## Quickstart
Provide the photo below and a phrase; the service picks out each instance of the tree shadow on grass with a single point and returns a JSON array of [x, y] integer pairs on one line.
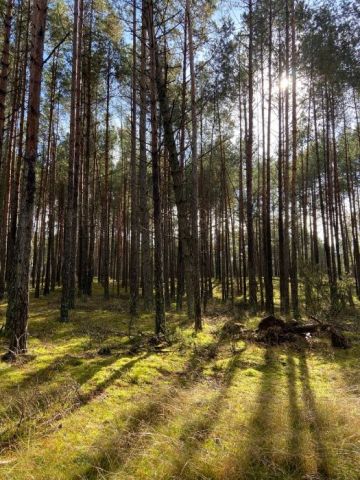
[[263, 459], [315, 421], [199, 428], [116, 375], [112, 452], [42, 398], [257, 460], [294, 464], [80, 370]]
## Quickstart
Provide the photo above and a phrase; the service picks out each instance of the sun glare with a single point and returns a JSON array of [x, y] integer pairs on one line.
[[284, 83]]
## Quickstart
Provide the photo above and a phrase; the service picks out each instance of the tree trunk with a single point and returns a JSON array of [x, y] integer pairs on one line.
[[294, 230], [4, 74], [66, 296], [158, 258], [249, 171], [146, 266], [133, 181], [18, 301], [194, 184]]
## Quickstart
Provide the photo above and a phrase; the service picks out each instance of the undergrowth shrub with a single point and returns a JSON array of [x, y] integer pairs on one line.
[[320, 300]]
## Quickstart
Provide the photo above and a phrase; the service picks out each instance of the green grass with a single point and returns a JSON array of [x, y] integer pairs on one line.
[[201, 407]]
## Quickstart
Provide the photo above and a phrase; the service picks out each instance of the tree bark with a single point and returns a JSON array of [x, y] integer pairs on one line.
[[133, 181], [249, 170], [195, 182], [18, 301]]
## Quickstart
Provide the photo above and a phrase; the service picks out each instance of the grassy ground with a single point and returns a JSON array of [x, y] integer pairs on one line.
[[204, 407]]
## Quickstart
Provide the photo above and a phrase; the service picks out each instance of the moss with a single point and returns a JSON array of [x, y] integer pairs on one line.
[[198, 407]]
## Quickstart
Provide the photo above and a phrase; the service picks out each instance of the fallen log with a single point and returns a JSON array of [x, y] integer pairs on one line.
[[302, 329], [273, 330], [287, 327], [338, 339], [269, 322], [275, 335]]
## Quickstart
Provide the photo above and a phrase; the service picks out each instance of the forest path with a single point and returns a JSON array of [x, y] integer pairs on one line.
[[203, 407]]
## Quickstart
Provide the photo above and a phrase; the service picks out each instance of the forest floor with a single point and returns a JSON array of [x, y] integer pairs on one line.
[[202, 407]]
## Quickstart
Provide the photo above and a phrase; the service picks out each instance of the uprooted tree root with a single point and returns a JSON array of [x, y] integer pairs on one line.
[[274, 331]]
